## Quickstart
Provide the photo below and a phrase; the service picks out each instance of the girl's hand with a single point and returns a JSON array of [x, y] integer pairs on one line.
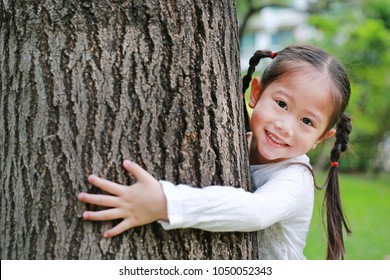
[[138, 204]]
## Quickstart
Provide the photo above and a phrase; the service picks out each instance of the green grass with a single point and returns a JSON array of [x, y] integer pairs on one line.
[[366, 201]]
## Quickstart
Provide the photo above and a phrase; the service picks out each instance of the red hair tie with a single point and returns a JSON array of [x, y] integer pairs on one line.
[[272, 55], [334, 163]]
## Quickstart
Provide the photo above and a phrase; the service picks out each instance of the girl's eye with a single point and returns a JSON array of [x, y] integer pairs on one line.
[[282, 104], [307, 121]]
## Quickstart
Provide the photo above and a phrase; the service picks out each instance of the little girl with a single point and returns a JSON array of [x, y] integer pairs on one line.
[[298, 102]]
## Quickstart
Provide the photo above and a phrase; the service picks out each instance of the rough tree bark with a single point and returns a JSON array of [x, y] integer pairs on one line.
[[87, 84]]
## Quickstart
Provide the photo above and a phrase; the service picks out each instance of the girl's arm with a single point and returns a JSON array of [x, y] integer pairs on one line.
[[138, 204], [227, 209], [213, 208]]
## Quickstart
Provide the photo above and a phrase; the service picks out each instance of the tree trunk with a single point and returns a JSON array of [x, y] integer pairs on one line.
[[87, 84]]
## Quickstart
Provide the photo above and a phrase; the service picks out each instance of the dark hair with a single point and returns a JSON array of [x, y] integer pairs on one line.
[[289, 60]]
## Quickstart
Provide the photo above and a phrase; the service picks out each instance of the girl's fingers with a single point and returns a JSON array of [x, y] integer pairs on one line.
[[120, 194], [100, 200], [118, 229], [137, 171], [103, 215], [105, 185]]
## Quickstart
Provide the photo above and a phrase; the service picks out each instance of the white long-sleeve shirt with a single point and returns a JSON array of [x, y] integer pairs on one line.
[[280, 208]]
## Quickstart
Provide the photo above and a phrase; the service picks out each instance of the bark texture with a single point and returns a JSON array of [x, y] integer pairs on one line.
[[87, 84]]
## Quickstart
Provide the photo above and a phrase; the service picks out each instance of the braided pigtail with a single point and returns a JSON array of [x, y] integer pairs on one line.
[[334, 213], [253, 62]]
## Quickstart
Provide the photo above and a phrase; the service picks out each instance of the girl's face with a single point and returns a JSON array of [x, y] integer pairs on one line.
[[289, 116]]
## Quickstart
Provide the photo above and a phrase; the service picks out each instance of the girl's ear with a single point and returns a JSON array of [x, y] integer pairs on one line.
[[255, 92], [330, 133], [327, 135]]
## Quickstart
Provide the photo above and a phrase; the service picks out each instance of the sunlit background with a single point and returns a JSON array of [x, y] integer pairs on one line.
[[357, 33]]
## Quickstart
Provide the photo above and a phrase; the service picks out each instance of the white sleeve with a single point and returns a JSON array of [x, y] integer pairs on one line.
[[221, 208]]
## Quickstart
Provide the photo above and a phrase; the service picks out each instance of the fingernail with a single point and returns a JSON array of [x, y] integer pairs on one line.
[[90, 177], [126, 162]]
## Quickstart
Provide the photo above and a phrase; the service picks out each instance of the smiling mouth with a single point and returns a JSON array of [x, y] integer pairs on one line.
[[276, 140]]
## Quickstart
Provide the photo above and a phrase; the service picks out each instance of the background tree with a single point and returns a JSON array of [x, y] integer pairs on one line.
[[249, 8], [87, 84]]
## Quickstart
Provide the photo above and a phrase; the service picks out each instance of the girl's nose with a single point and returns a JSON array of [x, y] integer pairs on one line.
[[284, 127]]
